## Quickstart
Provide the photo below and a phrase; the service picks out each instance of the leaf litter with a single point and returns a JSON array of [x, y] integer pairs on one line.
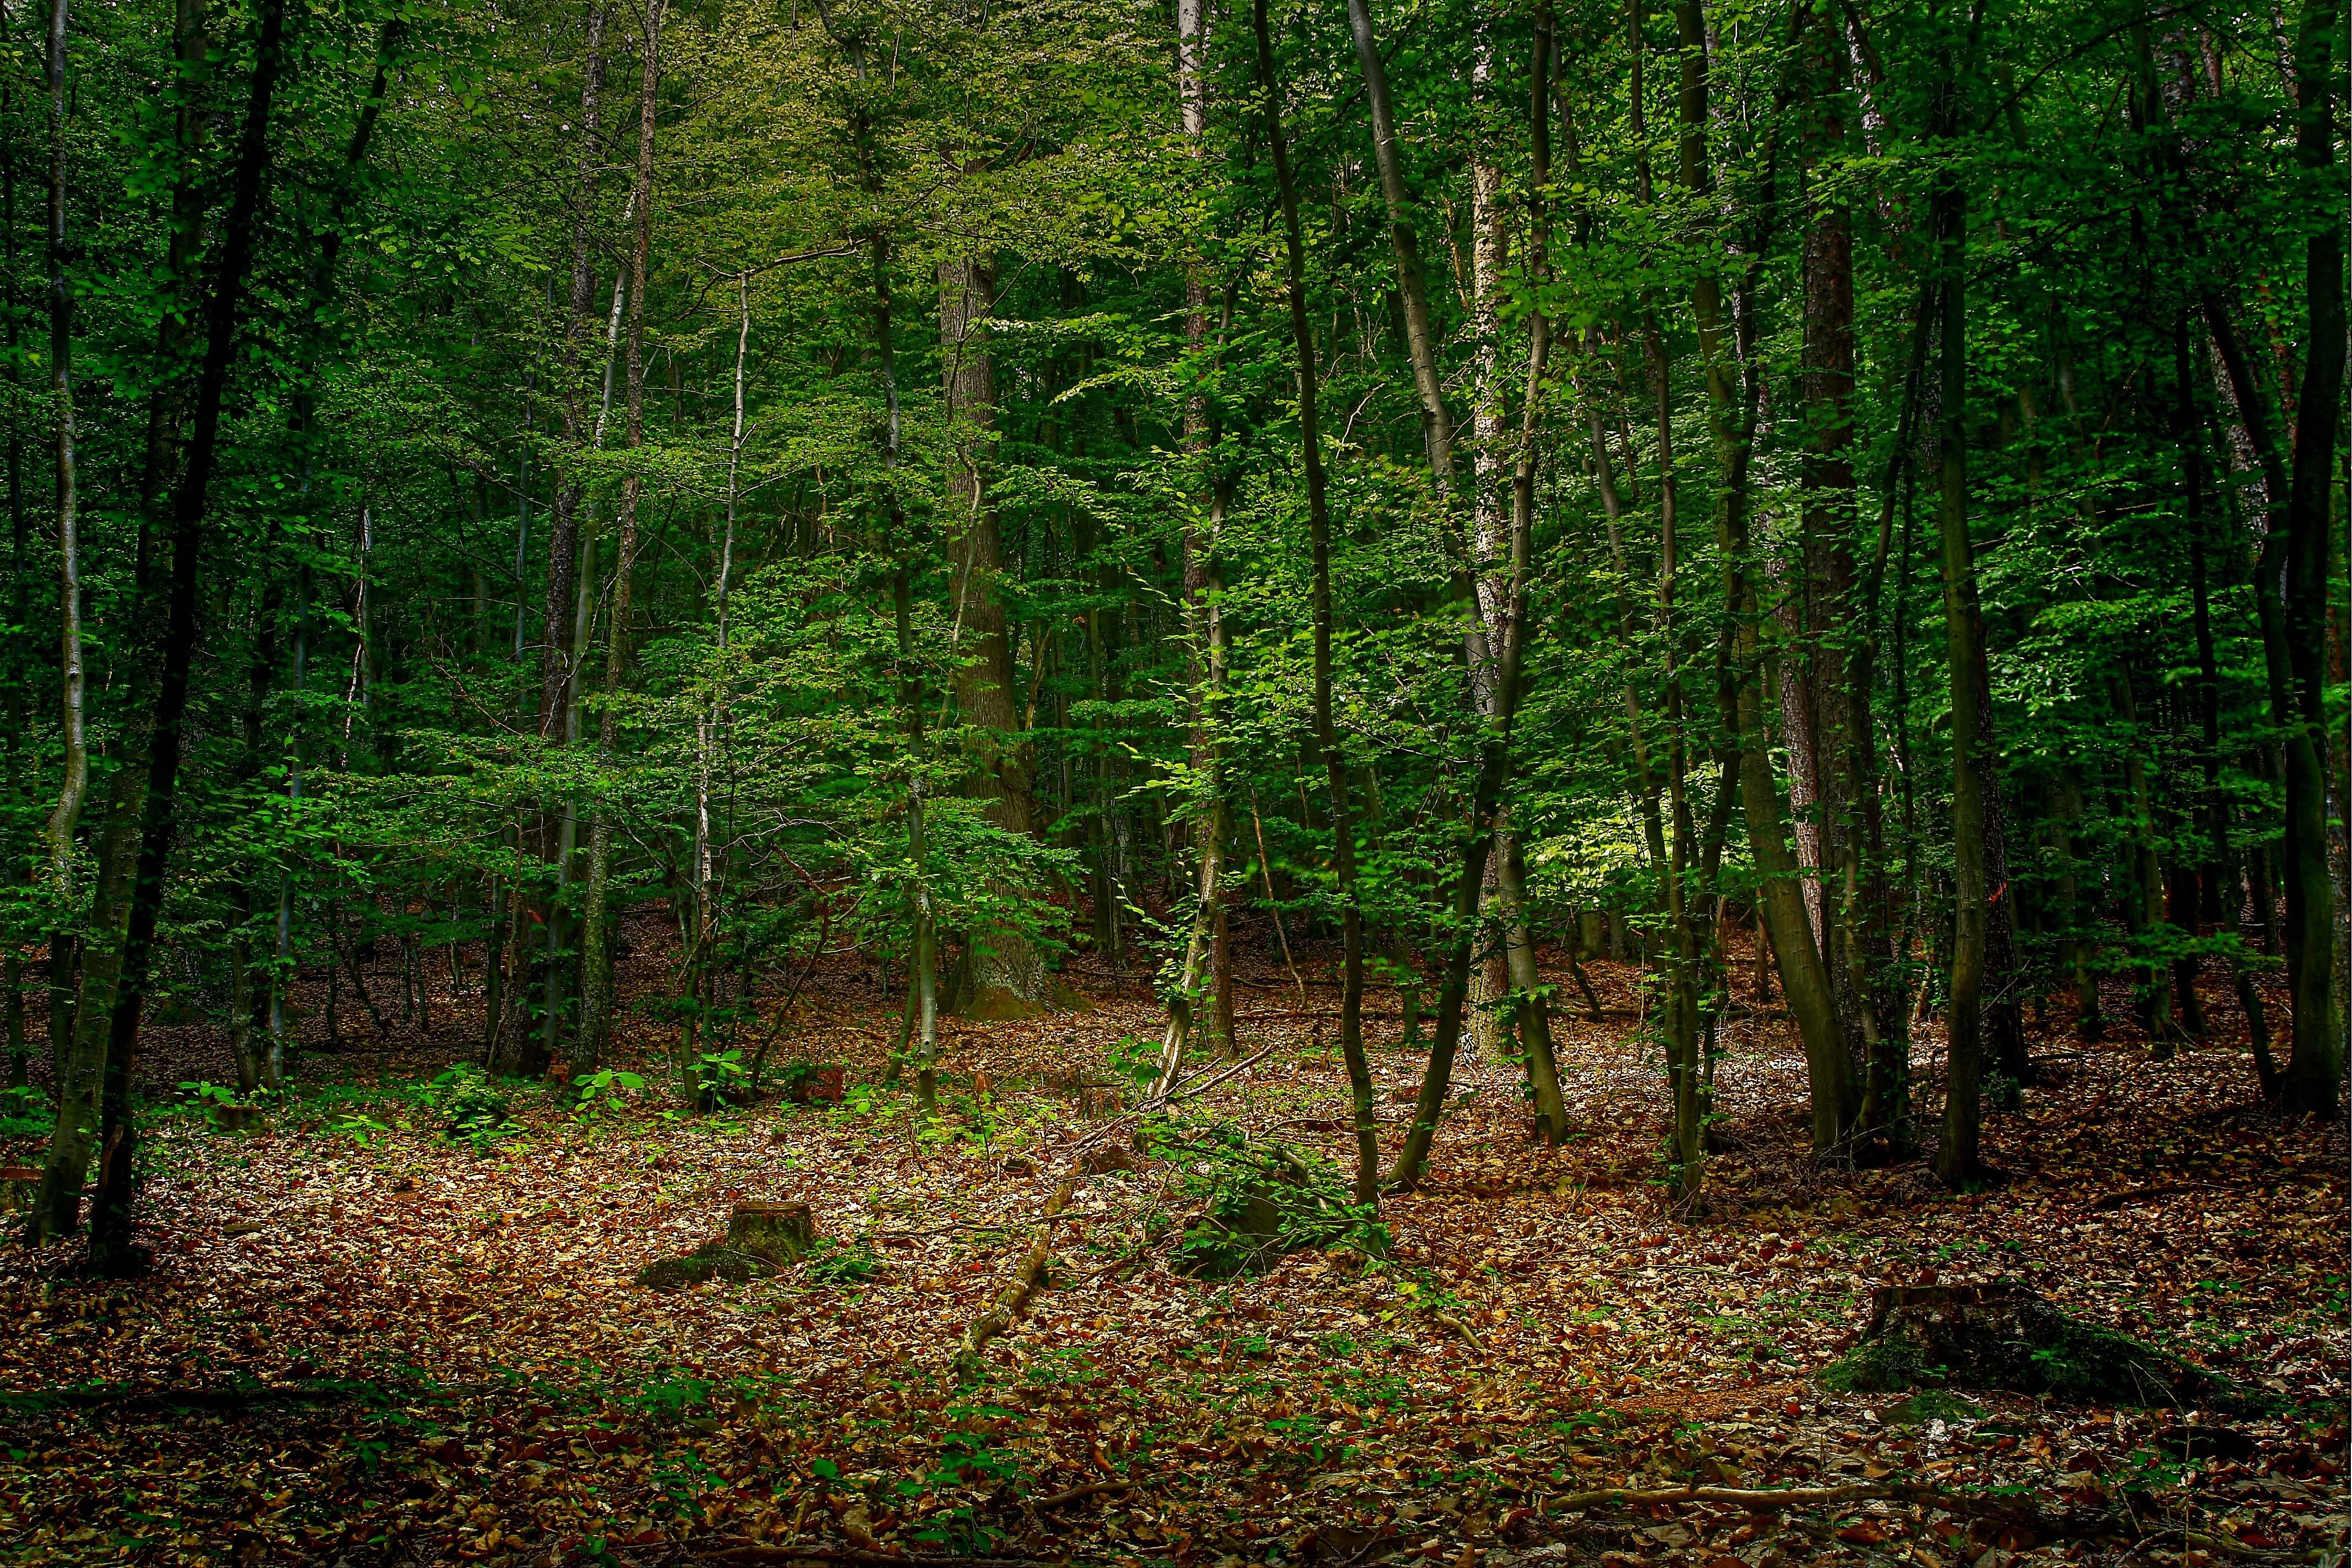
[[368, 1341]]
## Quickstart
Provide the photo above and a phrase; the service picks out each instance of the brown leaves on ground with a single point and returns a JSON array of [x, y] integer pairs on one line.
[[408, 1352]]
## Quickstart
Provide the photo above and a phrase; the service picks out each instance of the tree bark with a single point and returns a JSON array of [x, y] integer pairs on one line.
[[1310, 437], [124, 968], [2314, 1079], [1206, 958], [1732, 422], [1957, 1160], [1001, 974], [75, 787], [596, 934]]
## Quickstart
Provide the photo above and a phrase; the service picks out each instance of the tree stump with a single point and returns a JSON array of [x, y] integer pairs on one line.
[[1098, 1101], [18, 1183], [812, 1085], [233, 1117], [2008, 1335], [778, 1233]]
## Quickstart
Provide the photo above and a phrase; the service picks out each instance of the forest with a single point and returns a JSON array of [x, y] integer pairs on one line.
[[1486, 782]]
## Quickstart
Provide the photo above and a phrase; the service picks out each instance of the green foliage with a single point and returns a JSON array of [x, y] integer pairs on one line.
[[605, 1090], [26, 1112], [471, 1111], [1258, 1202], [833, 1264]]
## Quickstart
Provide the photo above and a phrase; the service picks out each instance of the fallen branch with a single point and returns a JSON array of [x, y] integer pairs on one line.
[[1460, 1328], [1086, 1489], [230, 1396], [1006, 1308], [1182, 1091], [748, 1553], [1759, 1500]]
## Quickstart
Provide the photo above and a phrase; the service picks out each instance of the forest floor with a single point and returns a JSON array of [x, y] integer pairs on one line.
[[365, 1341]]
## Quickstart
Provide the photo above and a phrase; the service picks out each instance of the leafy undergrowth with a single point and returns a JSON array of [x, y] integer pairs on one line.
[[376, 1335]]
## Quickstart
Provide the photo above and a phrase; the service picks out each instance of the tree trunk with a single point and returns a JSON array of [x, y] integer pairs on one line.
[[596, 935], [122, 972], [1956, 1156], [1839, 745], [1310, 438], [75, 785], [1732, 421], [1206, 975], [2313, 1080], [1001, 974]]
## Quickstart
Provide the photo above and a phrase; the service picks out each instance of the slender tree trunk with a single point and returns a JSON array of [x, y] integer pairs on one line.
[[1205, 957], [1310, 437], [20, 663], [2142, 889], [2313, 1080], [1956, 1157], [596, 935], [115, 1020], [1420, 333], [1532, 1004], [75, 785], [1732, 417], [1491, 464], [561, 663], [1839, 739]]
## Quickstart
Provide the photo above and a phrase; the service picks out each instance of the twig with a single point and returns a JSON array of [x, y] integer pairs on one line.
[[1086, 1489], [1765, 1499], [1460, 1327], [753, 1553]]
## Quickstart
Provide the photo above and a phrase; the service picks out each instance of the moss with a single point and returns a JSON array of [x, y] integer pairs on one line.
[[1881, 1366], [712, 1260], [1931, 1404]]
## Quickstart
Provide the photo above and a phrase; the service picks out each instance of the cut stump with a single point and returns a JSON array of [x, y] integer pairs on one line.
[[761, 1237], [2008, 1335], [19, 1186], [813, 1085], [778, 1232]]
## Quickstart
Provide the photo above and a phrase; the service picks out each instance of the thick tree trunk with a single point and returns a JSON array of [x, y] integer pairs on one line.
[[1001, 974]]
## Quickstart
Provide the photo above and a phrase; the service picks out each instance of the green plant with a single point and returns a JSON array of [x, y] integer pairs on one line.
[[212, 1093], [359, 1127], [604, 1089], [720, 1077], [476, 1113], [26, 1112], [833, 1264], [968, 1463]]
